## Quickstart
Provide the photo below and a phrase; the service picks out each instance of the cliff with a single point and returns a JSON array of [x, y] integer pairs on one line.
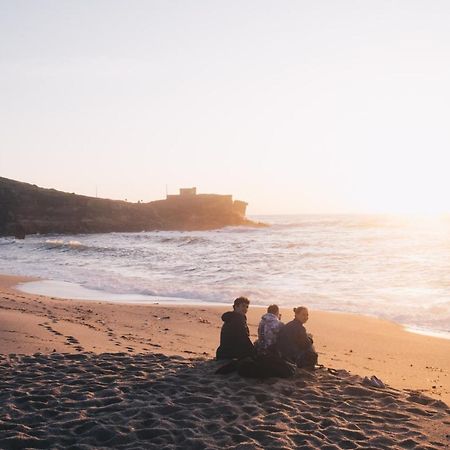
[[29, 209]]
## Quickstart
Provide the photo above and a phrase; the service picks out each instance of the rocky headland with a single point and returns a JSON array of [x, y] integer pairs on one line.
[[29, 209]]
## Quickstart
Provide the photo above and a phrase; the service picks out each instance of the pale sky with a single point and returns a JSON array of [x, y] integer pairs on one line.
[[293, 106]]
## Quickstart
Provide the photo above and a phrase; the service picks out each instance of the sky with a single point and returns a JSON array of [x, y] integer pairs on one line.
[[292, 106]]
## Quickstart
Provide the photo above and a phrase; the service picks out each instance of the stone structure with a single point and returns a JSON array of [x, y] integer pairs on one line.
[[29, 209], [188, 191], [190, 196]]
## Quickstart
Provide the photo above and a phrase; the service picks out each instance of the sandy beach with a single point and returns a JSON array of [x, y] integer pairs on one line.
[[84, 374]]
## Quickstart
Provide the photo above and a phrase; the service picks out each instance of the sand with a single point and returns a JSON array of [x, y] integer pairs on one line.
[[81, 374]]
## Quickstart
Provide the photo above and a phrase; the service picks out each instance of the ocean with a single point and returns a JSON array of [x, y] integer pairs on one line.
[[392, 267]]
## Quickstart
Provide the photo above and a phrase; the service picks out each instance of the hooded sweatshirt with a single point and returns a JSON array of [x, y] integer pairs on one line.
[[234, 337], [268, 330], [293, 340]]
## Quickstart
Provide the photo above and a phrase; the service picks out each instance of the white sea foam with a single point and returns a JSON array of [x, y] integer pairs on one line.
[[66, 290], [54, 243], [386, 267], [60, 243]]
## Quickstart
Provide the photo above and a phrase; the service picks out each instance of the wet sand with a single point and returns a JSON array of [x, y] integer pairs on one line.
[[89, 374]]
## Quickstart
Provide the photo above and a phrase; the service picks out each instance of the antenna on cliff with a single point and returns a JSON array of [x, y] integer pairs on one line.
[[96, 191], [167, 191]]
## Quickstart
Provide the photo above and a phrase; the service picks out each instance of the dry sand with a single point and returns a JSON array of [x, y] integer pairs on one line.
[[79, 374]]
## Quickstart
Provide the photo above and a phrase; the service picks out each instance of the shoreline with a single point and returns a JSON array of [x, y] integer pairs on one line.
[[359, 344], [74, 291]]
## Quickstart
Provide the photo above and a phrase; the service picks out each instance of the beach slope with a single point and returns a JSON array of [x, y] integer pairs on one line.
[[103, 374]]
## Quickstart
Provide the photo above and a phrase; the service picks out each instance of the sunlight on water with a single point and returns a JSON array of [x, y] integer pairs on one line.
[[395, 267]]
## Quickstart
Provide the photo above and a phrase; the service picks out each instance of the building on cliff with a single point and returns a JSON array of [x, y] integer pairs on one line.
[[29, 209], [187, 195], [188, 191]]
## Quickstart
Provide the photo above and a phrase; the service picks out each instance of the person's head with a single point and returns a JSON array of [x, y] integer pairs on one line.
[[273, 309], [301, 314], [240, 305]]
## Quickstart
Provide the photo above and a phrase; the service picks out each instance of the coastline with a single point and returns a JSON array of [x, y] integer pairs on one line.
[[90, 374], [359, 344], [73, 291]]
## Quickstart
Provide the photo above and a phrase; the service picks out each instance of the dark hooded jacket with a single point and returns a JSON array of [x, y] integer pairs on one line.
[[293, 340], [234, 337]]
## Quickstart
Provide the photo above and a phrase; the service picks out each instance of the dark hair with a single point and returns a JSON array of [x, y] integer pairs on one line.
[[273, 309], [300, 308], [241, 301]]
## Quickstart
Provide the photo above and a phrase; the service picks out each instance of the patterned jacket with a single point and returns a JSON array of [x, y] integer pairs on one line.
[[268, 330]]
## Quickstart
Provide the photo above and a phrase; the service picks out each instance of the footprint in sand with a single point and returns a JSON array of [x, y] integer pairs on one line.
[[50, 329]]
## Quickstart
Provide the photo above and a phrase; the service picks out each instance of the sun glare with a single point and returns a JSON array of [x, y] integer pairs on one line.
[[398, 183]]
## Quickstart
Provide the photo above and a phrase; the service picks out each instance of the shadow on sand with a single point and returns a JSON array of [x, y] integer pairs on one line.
[[117, 400]]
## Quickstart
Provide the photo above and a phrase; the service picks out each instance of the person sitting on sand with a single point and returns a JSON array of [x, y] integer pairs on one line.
[[294, 344], [268, 330], [235, 336]]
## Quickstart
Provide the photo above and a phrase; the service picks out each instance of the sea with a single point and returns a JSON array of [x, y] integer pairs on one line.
[[391, 267]]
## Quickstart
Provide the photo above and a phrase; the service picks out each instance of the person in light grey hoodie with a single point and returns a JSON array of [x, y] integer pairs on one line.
[[268, 330]]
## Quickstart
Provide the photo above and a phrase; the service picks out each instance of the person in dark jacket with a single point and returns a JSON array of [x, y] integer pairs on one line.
[[294, 344], [235, 336]]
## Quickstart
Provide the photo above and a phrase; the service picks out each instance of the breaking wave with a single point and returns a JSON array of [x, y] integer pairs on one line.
[[50, 244], [372, 265]]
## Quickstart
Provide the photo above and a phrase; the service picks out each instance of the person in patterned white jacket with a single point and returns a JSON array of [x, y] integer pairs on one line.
[[268, 330]]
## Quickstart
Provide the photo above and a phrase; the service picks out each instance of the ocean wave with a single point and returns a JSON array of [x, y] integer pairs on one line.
[[7, 241], [193, 241], [77, 246], [240, 229], [352, 222], [61, 244], [307, 224], [184, 240], [311, 260]]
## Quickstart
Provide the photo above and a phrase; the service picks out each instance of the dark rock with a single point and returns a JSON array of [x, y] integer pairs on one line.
[[29, 209]]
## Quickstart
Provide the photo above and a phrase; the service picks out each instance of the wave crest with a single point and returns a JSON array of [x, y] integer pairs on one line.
[[59, 243]]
